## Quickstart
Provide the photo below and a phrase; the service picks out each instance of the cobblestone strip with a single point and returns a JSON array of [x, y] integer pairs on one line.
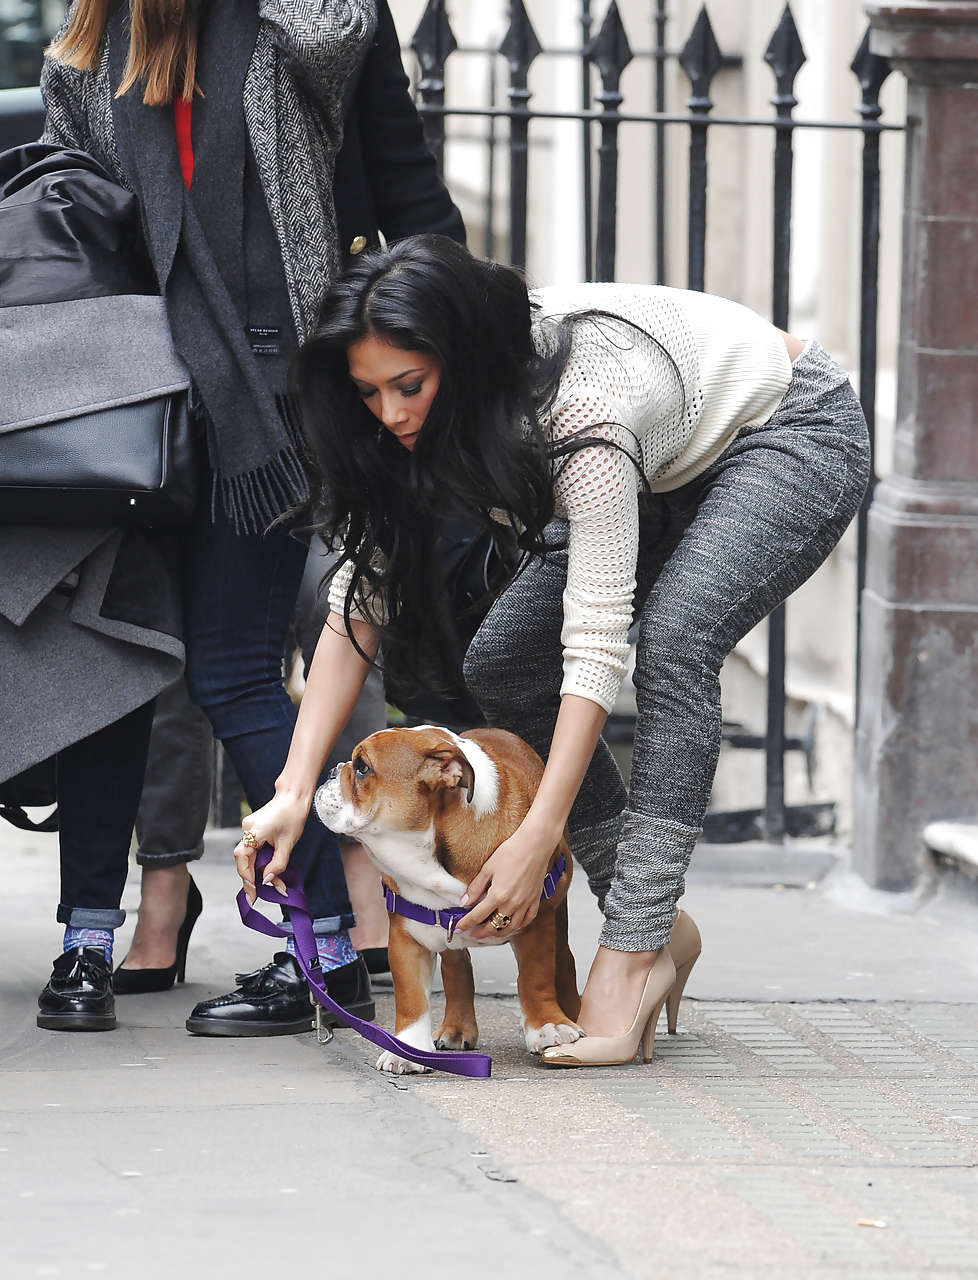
[[953, 1102], [690, 1054], [777, 1048], [952, 1028], [862, 1039], [886, 1119], [678, 1121], [779, 1121]]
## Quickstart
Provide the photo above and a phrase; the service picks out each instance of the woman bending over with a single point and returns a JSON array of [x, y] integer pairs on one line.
[[665, 456]]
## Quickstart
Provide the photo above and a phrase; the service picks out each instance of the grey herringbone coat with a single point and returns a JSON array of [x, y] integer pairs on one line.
[[299, 85]]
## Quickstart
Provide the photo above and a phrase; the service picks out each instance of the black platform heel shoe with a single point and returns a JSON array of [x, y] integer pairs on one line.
[[131, 982]]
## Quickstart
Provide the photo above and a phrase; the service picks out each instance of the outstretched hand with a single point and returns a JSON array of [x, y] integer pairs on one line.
[[278, 824], [512, 881]]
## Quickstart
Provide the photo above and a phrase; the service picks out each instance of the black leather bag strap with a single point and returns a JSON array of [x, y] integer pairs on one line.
[[16, 815], [35, 786]]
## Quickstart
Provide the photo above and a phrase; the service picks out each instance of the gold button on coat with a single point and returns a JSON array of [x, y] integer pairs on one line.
[[358, 244]]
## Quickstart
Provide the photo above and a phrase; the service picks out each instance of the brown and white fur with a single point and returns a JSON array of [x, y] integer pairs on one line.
[[430, 806]]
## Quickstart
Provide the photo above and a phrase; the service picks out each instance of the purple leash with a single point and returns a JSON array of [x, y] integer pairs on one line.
[[458, 1063]]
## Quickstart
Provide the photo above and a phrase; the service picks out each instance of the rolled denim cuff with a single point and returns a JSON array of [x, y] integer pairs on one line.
[[90, 917], [146, 858], [649, 879], [324, 925]]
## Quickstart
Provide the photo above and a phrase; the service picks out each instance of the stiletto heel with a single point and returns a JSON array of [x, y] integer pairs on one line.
[[128, 982], [685, 945], [648, 1036], [676, 994]]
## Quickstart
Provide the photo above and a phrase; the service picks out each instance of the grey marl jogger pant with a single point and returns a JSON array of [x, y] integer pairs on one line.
[[715, 557]]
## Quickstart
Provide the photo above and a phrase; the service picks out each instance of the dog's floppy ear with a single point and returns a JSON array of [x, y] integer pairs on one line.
[[447, 767]]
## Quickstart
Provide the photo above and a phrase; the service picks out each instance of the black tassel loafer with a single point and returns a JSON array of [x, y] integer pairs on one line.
[[79, 995], [274, 1001]]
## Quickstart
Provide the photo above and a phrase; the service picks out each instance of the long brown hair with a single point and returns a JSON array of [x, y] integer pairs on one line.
[[162, 46]]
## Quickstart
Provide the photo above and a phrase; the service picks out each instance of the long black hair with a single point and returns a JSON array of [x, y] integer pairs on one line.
[[480, 456]]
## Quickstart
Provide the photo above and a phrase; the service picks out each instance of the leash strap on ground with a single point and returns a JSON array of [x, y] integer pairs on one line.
[[459, 1064]]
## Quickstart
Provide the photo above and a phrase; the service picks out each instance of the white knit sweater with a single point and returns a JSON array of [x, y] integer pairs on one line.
[[720, 370]]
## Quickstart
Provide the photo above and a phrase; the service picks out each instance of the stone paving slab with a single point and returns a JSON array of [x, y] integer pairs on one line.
[[740, 1157]]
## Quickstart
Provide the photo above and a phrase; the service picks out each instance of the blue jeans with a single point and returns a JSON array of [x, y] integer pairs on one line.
[[240, 595]]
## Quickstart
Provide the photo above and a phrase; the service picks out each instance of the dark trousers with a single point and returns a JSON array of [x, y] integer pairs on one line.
[[240, 596], [99, 781]]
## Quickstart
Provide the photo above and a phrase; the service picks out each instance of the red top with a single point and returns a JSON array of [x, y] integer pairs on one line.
[[185, 147]]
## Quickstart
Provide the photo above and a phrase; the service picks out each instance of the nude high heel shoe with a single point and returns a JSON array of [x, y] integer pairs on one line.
[[613, 1051], [685, 945]]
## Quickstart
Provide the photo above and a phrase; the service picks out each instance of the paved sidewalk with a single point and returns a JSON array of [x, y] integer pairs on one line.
[[761, 1137]]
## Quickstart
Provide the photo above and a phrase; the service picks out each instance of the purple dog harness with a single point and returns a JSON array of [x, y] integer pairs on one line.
[[449, 917], [457, 1062]]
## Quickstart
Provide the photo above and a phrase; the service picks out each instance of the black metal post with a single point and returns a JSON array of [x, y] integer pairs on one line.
[[587, 167], [520, 47], [871, 71], [490, 242], [700, 59], [785, 56], [434, 42], [611, 53], [659, 131]]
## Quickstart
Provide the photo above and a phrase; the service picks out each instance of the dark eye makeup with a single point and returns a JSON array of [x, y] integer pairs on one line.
[[411, 390]]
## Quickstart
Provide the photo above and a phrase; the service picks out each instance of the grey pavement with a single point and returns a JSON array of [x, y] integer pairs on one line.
[[817, 1115]]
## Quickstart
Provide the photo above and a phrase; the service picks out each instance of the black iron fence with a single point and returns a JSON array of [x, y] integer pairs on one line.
[[603, 56]]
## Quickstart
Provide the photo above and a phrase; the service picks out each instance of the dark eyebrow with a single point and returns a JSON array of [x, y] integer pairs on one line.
[[397, 377]]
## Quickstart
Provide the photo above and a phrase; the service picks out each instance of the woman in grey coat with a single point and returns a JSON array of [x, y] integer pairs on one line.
[[251, 148]]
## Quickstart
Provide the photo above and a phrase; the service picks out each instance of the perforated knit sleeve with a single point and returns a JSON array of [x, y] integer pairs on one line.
[[597, 489], [372, 609]]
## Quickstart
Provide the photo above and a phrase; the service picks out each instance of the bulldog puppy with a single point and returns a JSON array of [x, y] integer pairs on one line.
[[430, 806]]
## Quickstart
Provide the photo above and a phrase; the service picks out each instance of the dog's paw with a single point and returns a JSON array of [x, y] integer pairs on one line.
[[456, 1037], [540, 1038], [399, 1066]]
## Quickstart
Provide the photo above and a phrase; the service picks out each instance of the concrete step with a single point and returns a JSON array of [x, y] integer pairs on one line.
[[954, 845]]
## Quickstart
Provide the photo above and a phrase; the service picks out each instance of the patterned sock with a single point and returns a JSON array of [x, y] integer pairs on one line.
[[334, 949], [89, 938]]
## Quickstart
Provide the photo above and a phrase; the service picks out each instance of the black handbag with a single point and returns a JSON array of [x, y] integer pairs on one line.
[[95, 427], [129, 465]]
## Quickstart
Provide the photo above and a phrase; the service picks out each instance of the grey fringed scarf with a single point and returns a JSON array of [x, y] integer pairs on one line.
[[215, 249]]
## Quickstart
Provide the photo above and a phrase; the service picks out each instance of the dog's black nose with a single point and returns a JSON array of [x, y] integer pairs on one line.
[[335, 773]]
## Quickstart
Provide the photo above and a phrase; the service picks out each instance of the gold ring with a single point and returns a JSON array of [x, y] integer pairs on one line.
[[250, 839], [499, 921]]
